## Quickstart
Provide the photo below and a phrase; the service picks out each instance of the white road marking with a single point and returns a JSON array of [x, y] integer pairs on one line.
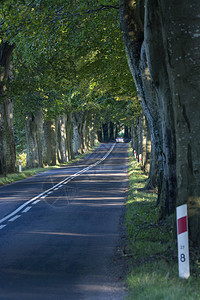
[[35, 202], [49, 191], [2, 226], [14, 218], [17, 210], [27, 209]]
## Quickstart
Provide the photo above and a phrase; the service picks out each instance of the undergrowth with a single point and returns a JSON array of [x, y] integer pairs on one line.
[[152, 250]]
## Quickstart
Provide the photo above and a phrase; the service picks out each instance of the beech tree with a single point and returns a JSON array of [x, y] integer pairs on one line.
[[7, 143], [162, 41], [87, 54]]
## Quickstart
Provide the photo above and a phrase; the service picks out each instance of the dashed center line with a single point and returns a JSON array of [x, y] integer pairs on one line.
[[35, 202], [2, 226], [27, 209], [14, 218], [43, 195]]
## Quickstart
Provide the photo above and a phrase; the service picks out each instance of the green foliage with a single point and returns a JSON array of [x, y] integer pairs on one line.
[[145, 231], [65, 45], [153, 282], [152, 249], [69, 56]]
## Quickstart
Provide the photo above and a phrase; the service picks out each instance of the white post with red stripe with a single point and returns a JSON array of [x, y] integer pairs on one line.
[[20, 166], [183, 245], [140, 158], [134, 153]]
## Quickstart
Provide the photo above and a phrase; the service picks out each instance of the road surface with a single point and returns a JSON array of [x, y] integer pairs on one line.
[[60, 230]]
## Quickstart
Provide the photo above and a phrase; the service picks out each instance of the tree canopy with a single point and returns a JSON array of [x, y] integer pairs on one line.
[[62, 48]]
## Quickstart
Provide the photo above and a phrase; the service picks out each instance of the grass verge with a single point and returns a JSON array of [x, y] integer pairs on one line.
[[152, 250], [30, 172]]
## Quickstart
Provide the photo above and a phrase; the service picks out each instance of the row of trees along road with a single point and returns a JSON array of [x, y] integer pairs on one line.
[[64, 67], [60, 79]]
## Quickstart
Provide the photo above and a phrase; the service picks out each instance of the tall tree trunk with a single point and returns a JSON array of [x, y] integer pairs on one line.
[[134, 137], [164, 56], [69, 137], [117, 129], [148, 150], [34, 133], [126, 132], [49, 143], [144, 141], [157, 56], [7, 142], [140, 135], [78, 138], [85, 134], [152, 181], [62, 152], [132, 25], [105, 132], [181, 39], [92, 132], [111, 131], [99, 135]]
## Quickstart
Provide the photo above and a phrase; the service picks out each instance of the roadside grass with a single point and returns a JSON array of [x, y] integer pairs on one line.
[[152, 250], [30, 172]]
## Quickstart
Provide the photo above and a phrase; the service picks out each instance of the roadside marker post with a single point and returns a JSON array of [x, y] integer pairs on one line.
[[183, 244], [134, 153], [20, 166], [140, 158]]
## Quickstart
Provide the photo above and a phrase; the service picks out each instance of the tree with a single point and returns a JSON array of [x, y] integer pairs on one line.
[[163, 58], [87, 60], [7, 144]]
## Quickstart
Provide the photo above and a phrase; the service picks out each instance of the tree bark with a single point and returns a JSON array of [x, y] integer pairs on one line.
[[164, 60], [132, 26], [157, 56], [140, 135], [134, 137], [49, 143], [105, 132], [78, 138], [152, 181], [181, 39], [61, 136], [111, 135], [117, 129], [144, 141], [69, 137], [34, 134], [7, 141], [99, 135], [148, 149], [152, 101], [92, 132], [126, 132]]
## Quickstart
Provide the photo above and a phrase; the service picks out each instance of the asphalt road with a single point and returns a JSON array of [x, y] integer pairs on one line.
[[60, 231]]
